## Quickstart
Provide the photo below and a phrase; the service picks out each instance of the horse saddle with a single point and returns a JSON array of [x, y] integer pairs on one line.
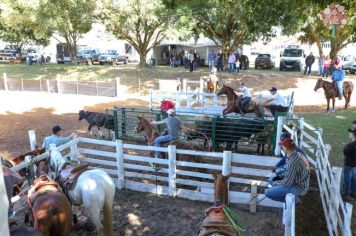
[[40, 186], [216, 223], [173, 142], [70, 173]]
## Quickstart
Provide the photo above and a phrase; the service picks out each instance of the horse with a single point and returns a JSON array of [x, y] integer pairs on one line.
[[93, 189], [216, 221], [97, 119], [331, 92], [50, 210], [233, 103]]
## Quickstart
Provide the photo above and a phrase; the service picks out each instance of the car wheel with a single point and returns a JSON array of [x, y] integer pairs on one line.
[[352, 72], [125, 62], [280, 68], [256, 67]]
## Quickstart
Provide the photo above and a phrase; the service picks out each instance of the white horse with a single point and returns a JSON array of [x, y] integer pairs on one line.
[[94, 190]]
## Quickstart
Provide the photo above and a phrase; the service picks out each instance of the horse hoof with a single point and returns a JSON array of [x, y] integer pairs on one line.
[[327, 111], [333, 110]]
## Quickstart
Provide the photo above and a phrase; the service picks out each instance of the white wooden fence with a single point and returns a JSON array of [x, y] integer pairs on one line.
[[337, 213], [4, 226]]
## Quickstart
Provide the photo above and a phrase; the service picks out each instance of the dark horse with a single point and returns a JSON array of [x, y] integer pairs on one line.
[[331, 92], [233, 101], [97, 119]]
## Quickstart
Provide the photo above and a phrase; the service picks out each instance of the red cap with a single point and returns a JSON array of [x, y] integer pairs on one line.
[[287, 142]]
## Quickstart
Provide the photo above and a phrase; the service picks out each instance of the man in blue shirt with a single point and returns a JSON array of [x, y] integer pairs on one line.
[[55, 138], [338, 77], [211, 59]]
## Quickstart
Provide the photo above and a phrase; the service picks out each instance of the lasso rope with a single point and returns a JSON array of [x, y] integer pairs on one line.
[[238, 225]]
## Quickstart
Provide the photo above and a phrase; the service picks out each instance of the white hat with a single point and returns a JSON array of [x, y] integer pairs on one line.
[[170, 112], [213, 71]]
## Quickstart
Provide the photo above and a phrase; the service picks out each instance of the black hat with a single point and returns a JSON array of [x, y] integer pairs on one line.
[[273, 89], [56, 129], [353, 131], [284, 136]]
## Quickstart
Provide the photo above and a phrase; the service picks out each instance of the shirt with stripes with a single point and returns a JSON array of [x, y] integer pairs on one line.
[[297, 173]]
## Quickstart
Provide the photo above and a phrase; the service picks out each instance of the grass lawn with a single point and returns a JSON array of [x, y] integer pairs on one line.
[[335, 132]]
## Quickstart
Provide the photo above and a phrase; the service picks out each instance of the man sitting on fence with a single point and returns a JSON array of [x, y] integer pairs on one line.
[[174, 126], [56, 138], [350, 167], [295, 179], [281, 166], [276, 103]]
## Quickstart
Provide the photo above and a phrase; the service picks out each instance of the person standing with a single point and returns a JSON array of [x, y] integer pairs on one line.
[[220, 58], [211, 59], [231, 62], [295, 179], [276, 103], [321, 64], [309, 61], [191, 62], [338, 78], [196, 59], [326, 70], [56, 138], [246, 97], [349, 187], [237, 65]]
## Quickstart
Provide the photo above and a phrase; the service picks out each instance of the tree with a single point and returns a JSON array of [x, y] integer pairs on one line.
[[69, 19], [18, 24], [143, 24], [231, 24]]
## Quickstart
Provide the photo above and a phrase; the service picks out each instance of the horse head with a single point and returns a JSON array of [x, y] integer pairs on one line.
[[224, 90], [82, 114], [140, 126], [221, 188], [318, 84]]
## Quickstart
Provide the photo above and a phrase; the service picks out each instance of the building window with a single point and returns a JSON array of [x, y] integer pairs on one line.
[[128, 49]]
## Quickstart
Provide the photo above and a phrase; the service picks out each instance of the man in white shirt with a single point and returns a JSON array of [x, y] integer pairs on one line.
[[246, 97], [276, 103]]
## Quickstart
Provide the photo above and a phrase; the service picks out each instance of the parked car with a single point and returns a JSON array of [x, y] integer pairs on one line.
[[121, 59], [244, 62], [347, 61], [265, 60], [90, 56], [293, 57], [63, 54], [108, 56], [353, 68], [37, 55]]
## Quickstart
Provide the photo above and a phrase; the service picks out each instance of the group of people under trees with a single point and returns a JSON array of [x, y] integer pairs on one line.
[[189, 60]]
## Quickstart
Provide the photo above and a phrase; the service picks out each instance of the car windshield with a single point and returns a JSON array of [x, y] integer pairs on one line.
[[293, 53], [86, 51], [111, 52], [264, 56]]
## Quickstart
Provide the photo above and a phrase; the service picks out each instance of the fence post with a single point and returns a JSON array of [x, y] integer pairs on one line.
[[289, 215], [347, 220], [32, 137], [120, 164], [77, 88], [172, 170], [226, 169], [253, 196], [4, 226], [116, 128], [74, 150], [184, 85], [41, 85], [5, 81], [47, 85], [117, 86], [151, 100], [58, 83], [277, 149], [213, 133], [21, 84], [301, 126], [201, 89], [123, 121], [96, 88]]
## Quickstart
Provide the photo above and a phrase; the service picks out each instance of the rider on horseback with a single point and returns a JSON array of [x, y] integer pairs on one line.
[[246, 97], [174, 126], [338, 77]]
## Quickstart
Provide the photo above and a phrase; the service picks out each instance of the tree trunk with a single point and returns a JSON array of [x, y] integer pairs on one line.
[[320, 48], [73, 53], [142, 63]]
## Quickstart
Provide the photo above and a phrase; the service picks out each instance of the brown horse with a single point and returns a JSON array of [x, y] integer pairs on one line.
[[11, 162], [331, 92], [221, 191], [233, 103], [51, 212]]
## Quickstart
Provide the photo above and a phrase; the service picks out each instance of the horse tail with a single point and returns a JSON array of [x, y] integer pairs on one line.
[[109, 198]]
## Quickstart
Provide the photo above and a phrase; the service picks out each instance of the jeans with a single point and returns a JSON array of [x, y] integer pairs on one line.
[[349, 180], [326, 72], [231, 67], [162, 139], [211, 64], [279, 192], [243, 103], [278, 108], [339, 86], [220, 66], [320, 71], [307, 67]]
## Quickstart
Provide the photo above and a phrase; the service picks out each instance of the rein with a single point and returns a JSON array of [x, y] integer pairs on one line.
[[238, 225], [28, 203]]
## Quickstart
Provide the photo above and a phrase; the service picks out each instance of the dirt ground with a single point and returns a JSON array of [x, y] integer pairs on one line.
[[138, 213]]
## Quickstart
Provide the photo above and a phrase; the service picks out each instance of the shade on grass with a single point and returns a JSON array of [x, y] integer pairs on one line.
[[335, 132]]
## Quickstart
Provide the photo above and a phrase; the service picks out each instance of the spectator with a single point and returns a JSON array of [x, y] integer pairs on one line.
[[295, 179], [309, 61], [276, 103], [327, 63], [321, 64], [211, 59], [349, 188], [56, 138], [338, 78], [191, 61], [220, 58], [237, 65], [337, 61], [231, 62], [196, 59], [280, 167], [246, 98]]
